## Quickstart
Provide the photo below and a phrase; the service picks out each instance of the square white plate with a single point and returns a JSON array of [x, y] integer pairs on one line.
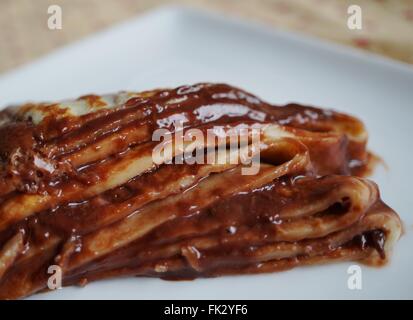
[[174, 46]]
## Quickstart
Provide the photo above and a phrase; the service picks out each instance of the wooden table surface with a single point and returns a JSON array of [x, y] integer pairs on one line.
[[387, 25]]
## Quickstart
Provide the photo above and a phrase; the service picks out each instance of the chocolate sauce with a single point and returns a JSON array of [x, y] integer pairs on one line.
[[48, 171], [53, 140], [371, 239]]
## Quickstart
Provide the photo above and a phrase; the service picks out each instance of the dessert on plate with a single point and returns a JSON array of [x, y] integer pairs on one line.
[[80, 189]]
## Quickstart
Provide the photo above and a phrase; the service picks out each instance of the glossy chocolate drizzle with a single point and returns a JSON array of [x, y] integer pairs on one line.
[[74, 194]]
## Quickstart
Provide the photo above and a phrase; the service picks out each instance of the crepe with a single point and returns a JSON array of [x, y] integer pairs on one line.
[[82, 190]]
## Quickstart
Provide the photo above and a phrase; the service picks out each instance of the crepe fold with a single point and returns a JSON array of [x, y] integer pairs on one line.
[[81, 189]]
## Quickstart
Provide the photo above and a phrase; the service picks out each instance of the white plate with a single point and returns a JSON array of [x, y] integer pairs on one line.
[[174, 46]]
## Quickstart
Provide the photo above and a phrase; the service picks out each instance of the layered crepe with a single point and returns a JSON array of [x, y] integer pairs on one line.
[[80, 189]]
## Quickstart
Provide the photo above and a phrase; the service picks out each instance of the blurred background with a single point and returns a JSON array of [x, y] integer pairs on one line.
[[387, 24]]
